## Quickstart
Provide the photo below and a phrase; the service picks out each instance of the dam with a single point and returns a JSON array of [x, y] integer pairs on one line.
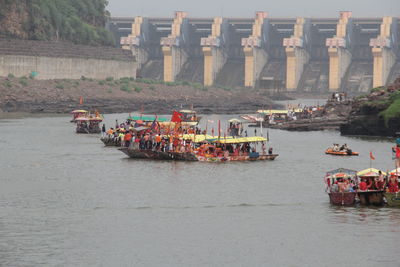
[[346, 53]]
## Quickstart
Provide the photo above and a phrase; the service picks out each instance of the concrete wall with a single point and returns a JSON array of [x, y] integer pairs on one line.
[[65, 68]]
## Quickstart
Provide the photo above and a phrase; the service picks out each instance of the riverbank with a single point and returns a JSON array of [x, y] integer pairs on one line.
[[125, 95]]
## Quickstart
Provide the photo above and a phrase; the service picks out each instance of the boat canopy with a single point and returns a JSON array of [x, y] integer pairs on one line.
[[234, 120], [82, 119], [370, 172], [342, 170], [231, 140], [183, 123], [187, 111], [146, 118], [79, 111], [395, 172], [277, 111]]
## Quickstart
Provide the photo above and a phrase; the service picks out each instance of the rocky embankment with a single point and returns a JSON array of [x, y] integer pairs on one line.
[[375, 114], [123, 95], [331, 117]]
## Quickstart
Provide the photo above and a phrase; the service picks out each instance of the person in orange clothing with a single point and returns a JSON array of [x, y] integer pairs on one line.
[[128, 138]]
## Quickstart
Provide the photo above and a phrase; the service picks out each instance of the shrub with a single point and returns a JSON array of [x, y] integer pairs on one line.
[[8, 84], [138, 89], [124, 80], [109, 79], [152, 87], [60, 86], [109, 90], [90, 80], [10, 75], [83, 78], [393, 111], [125, 88], [102, 82], [23, 81]]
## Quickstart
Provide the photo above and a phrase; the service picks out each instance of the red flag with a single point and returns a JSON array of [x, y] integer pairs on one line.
[[371, 156], [176, 117], [219, 129], [81, 100]]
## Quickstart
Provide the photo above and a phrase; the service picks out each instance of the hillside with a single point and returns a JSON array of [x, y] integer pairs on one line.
[[78, 21], [375, 114]]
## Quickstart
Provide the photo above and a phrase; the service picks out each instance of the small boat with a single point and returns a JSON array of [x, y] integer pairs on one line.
[[189, 115], [109, 141], [338, 194], [341, 153], [89, 125], [78, 113], [392, 199], [370, 196]]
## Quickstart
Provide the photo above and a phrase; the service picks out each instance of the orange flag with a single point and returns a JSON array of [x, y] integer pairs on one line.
[[371, 156], [81, 100]]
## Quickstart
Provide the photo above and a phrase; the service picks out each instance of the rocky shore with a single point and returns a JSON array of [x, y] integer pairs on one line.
[[124, 95], [375, 114]]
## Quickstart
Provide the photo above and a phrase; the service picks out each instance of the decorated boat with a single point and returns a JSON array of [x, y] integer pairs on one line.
[[367, 192], [205, 148], [88, 125], [330, 151], [78, 113], [340, 187], [189, 115]]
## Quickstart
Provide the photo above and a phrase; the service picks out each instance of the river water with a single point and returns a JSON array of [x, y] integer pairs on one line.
[[66, 200]]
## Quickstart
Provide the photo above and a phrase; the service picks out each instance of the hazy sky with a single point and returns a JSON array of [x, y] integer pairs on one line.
[[246, 8]]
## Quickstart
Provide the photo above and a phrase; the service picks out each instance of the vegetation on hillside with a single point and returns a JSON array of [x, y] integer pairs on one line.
[[79, 21]]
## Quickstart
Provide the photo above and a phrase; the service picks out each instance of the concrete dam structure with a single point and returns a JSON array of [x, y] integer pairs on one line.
[[294, 54]]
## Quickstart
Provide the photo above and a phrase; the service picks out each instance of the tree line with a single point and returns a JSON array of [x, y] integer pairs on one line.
[[79, 21]]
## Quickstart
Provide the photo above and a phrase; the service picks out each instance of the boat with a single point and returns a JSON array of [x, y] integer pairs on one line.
[[78, 113], [206, 148], [341, 153], [370, 196], [392, 199], [340, 195], [88, 125], [189, 115]]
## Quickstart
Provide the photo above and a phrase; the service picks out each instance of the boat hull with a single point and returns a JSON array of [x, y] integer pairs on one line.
[[157, 155], [393, 199], [110, 142], [188, 156], [341, 153], [371, 198], [342, 198]]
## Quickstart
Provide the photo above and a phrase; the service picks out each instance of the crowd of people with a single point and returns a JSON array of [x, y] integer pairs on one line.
[[342, 148]]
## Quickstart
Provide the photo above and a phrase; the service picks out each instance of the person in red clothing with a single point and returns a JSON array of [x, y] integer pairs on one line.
[[396, 150], [393, 184], [362, 185]]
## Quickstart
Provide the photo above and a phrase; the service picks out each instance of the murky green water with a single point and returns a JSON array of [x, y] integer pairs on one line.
[[65, 200]]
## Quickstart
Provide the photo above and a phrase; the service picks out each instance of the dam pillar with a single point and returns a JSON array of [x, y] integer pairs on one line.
[[339, 50], [384, 51], [173, 47], [297, 53], [254, 48], [213, 48], [136, 41]]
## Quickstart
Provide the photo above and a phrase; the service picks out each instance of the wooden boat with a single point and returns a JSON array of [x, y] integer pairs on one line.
[[344, 198], [392, 199], [110, 141], [370, 196], [78, 113], [189, 115], [86, 125], [341, 153], [209, 153]]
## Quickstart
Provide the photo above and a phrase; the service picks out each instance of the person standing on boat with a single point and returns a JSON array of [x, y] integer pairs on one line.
[[103, 130], [393, 186], [396, 150]]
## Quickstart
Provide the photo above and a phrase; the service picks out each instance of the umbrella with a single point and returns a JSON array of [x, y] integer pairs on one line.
[[79, 111], [234, 120], [395, 172]]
